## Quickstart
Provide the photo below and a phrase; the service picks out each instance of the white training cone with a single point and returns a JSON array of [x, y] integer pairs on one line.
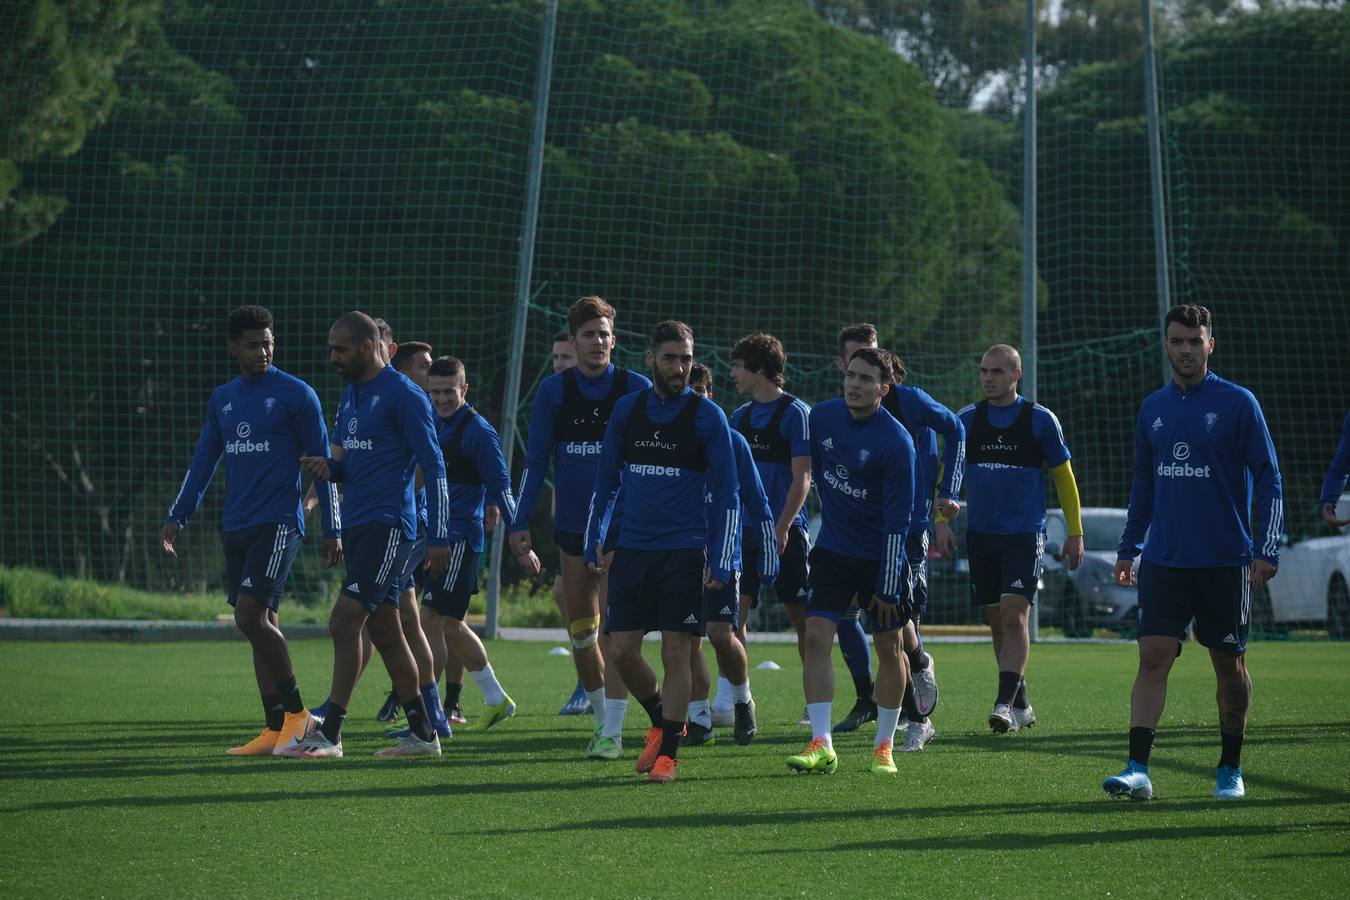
[[769, 665], [559, 651]]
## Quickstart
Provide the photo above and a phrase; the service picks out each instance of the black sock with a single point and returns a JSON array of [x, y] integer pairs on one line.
[[1020, 700], [273, 711], [332, 721], [450, 699], [671, 732], [290, 695], [419, 723], [1231, 754], [863, 685], [653, 707], [918, 661], [908, 706], [1141, 744], [1008, 682]]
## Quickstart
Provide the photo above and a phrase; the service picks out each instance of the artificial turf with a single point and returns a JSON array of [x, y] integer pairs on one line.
[[113, 782]]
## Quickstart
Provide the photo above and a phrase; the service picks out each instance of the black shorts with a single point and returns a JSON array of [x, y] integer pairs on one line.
[[723, 604], [376, 557], [449, 595], [258, 562], [1003, 564], [836, 581], [794, 569], [573, 543], [1219, 598], [655, 589], [916, 551], [413, 574]]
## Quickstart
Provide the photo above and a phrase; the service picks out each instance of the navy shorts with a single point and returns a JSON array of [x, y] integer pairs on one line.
[[1003, 564], [723, 604], [258, 562], [794, 569], [376, 557], [450, 594], [652, 590], [570, 542], [413, 574], [916, 551], [836, 580], [1219, 598]]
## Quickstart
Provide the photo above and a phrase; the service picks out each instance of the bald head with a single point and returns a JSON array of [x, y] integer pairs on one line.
[[1007, 352], [1000, 370]]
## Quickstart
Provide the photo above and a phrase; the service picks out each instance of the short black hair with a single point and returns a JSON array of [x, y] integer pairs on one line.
[[562, 336], [248, 318], [1192, 315], [898, 370], [762, 354], [671, 330], [383, 328], [446, 367], [876, 358], [358, 326], [857, 333], [405, 352], [700, 376]]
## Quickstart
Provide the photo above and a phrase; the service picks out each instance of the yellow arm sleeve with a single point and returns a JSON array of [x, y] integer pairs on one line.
[[1066, 488]]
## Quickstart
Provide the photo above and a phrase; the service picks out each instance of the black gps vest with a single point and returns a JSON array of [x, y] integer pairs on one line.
[[767, 444], [460, 469], [1014, 445], [579, 419], [674, 444]]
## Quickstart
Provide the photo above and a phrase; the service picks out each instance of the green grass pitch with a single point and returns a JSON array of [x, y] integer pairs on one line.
[[114, 784]]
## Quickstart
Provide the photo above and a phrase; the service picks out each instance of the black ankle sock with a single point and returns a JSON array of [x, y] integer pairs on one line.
[[1141, 744], [332, 721], [290, 695], [863, 685], [670, 737], [653, 707], [273, 711], [1008, 682], [917, 660], [1020, 700], [1231, 754], [450, 698], [908, 706], [419, 723]]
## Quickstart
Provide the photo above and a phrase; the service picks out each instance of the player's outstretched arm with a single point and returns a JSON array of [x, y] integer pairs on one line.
[[205, 458], [1140, 512]]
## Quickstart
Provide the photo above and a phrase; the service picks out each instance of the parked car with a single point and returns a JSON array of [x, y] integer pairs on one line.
[[1312, 585], [1088, 597]]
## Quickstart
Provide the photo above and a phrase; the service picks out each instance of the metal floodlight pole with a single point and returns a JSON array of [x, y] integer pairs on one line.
[[524, 268], [1029, 349], [1161, 265]]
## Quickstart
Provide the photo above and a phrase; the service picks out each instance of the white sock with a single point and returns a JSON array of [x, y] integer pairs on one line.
[[597, 698], [724, 698], [820, 722], [887, 719], [486, 680], [740, 693], [615, 710], [700, 713]]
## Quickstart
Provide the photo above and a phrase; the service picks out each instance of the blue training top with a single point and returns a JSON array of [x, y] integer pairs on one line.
[[1006, 448], [1197, 455], [757, 515], [864, 474], [262, 426], [474, 466], [925, 418], [775, 449]]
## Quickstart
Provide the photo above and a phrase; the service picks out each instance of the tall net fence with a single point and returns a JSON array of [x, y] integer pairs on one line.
[[759, 165]]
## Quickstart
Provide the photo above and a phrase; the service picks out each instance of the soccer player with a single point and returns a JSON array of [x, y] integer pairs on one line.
[[387, 430], [776, 425], [1008, 440], [1334, 484], [565, 357], [261, 422], [723, 610], [862, 461], [474, 465], [567, 424], [925, 419], [672, 447], [1201, 448]]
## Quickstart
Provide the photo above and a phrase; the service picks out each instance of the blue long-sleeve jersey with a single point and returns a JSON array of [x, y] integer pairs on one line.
[[1198, 453], [386, 430], [1006, 453], [1334, 484], [775, 448], [864, 474], [755, 509], [262, 426], [474, 468], [573, 460], [674, 454], [925, 418]]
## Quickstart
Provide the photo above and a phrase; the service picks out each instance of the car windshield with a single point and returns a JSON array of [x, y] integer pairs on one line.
[[1101, 531]]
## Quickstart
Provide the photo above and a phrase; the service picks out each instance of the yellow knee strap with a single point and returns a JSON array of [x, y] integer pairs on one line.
[[584, 631]]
